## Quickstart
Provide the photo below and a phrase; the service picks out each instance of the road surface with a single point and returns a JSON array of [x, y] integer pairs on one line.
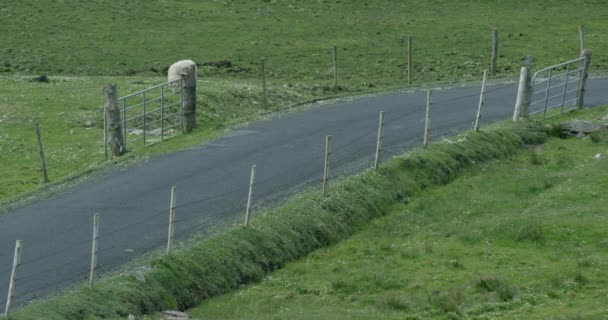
[[212, 179]]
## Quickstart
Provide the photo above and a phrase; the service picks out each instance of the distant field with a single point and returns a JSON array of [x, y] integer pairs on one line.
[[82, 45], [140, 37], [523, 238]]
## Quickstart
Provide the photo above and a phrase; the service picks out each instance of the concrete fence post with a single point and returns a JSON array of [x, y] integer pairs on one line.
[[114, 125], [11, 285], [524, 91], [250, 194], [326, 165], [580, 101], [481, 97], [189, 99], [523, 75], [581, 33], [94, 248], [171, 231], [379, 140]]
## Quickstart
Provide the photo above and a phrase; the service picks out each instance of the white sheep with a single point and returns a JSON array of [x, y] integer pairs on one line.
[[177, 70]]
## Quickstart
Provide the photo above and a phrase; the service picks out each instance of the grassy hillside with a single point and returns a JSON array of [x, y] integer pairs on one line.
[[82, 45], [141, 37], [523, 238]]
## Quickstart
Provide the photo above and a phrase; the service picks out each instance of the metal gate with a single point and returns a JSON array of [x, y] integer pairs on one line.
[[151, 115], [557, 86]]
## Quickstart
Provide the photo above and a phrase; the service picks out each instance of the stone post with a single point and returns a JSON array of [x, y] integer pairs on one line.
[[116, 138]]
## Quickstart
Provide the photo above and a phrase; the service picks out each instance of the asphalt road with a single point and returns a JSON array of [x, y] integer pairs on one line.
[[212, 180]]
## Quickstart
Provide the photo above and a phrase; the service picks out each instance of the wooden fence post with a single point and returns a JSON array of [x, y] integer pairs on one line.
[[379, 141], [116, 132], [94, 248], [410, 68], [105, 136], [494, 52], [581, 33], [529, 64], [427, 119], [171, 231], [11, 285], [481, 97], [45, 175], [250, 194], [189, 99], [265, 91], [580, 101], [326, 166], [335, 69]]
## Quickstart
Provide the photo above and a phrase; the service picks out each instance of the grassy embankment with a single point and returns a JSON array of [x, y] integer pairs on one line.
[[82, 46], [308, 222], [522, 238]]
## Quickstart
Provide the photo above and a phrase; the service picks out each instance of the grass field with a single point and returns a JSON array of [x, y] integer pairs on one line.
[[523, 238], [82, 46]]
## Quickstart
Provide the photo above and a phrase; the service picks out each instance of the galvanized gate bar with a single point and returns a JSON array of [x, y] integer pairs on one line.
[[145, 115], [547, 92], [556, 81], [162, 113], [556, 66], [565, 88], [143, 95]]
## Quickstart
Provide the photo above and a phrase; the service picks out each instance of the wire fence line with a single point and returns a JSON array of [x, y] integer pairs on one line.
[[342, 156]]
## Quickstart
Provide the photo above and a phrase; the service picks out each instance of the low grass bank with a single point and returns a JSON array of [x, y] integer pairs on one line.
[[517, 238], [302, 225]]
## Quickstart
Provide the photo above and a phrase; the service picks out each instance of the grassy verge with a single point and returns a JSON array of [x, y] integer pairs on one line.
[[516, 238], [82, 46], [224, 262]]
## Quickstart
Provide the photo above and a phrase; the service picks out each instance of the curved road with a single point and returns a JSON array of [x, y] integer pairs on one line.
[[212, 180]]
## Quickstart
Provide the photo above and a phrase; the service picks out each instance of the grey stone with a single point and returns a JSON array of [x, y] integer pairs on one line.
[[139, 275], [175, 315], [580, 126]]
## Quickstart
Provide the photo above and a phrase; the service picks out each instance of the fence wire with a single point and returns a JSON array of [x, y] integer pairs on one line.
[[345, 153]]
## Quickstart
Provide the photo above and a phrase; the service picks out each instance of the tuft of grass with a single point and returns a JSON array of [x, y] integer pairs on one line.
[[449, 301], [537, 159], [599, 136], [580, 278], [504, 291], [396, 302]]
